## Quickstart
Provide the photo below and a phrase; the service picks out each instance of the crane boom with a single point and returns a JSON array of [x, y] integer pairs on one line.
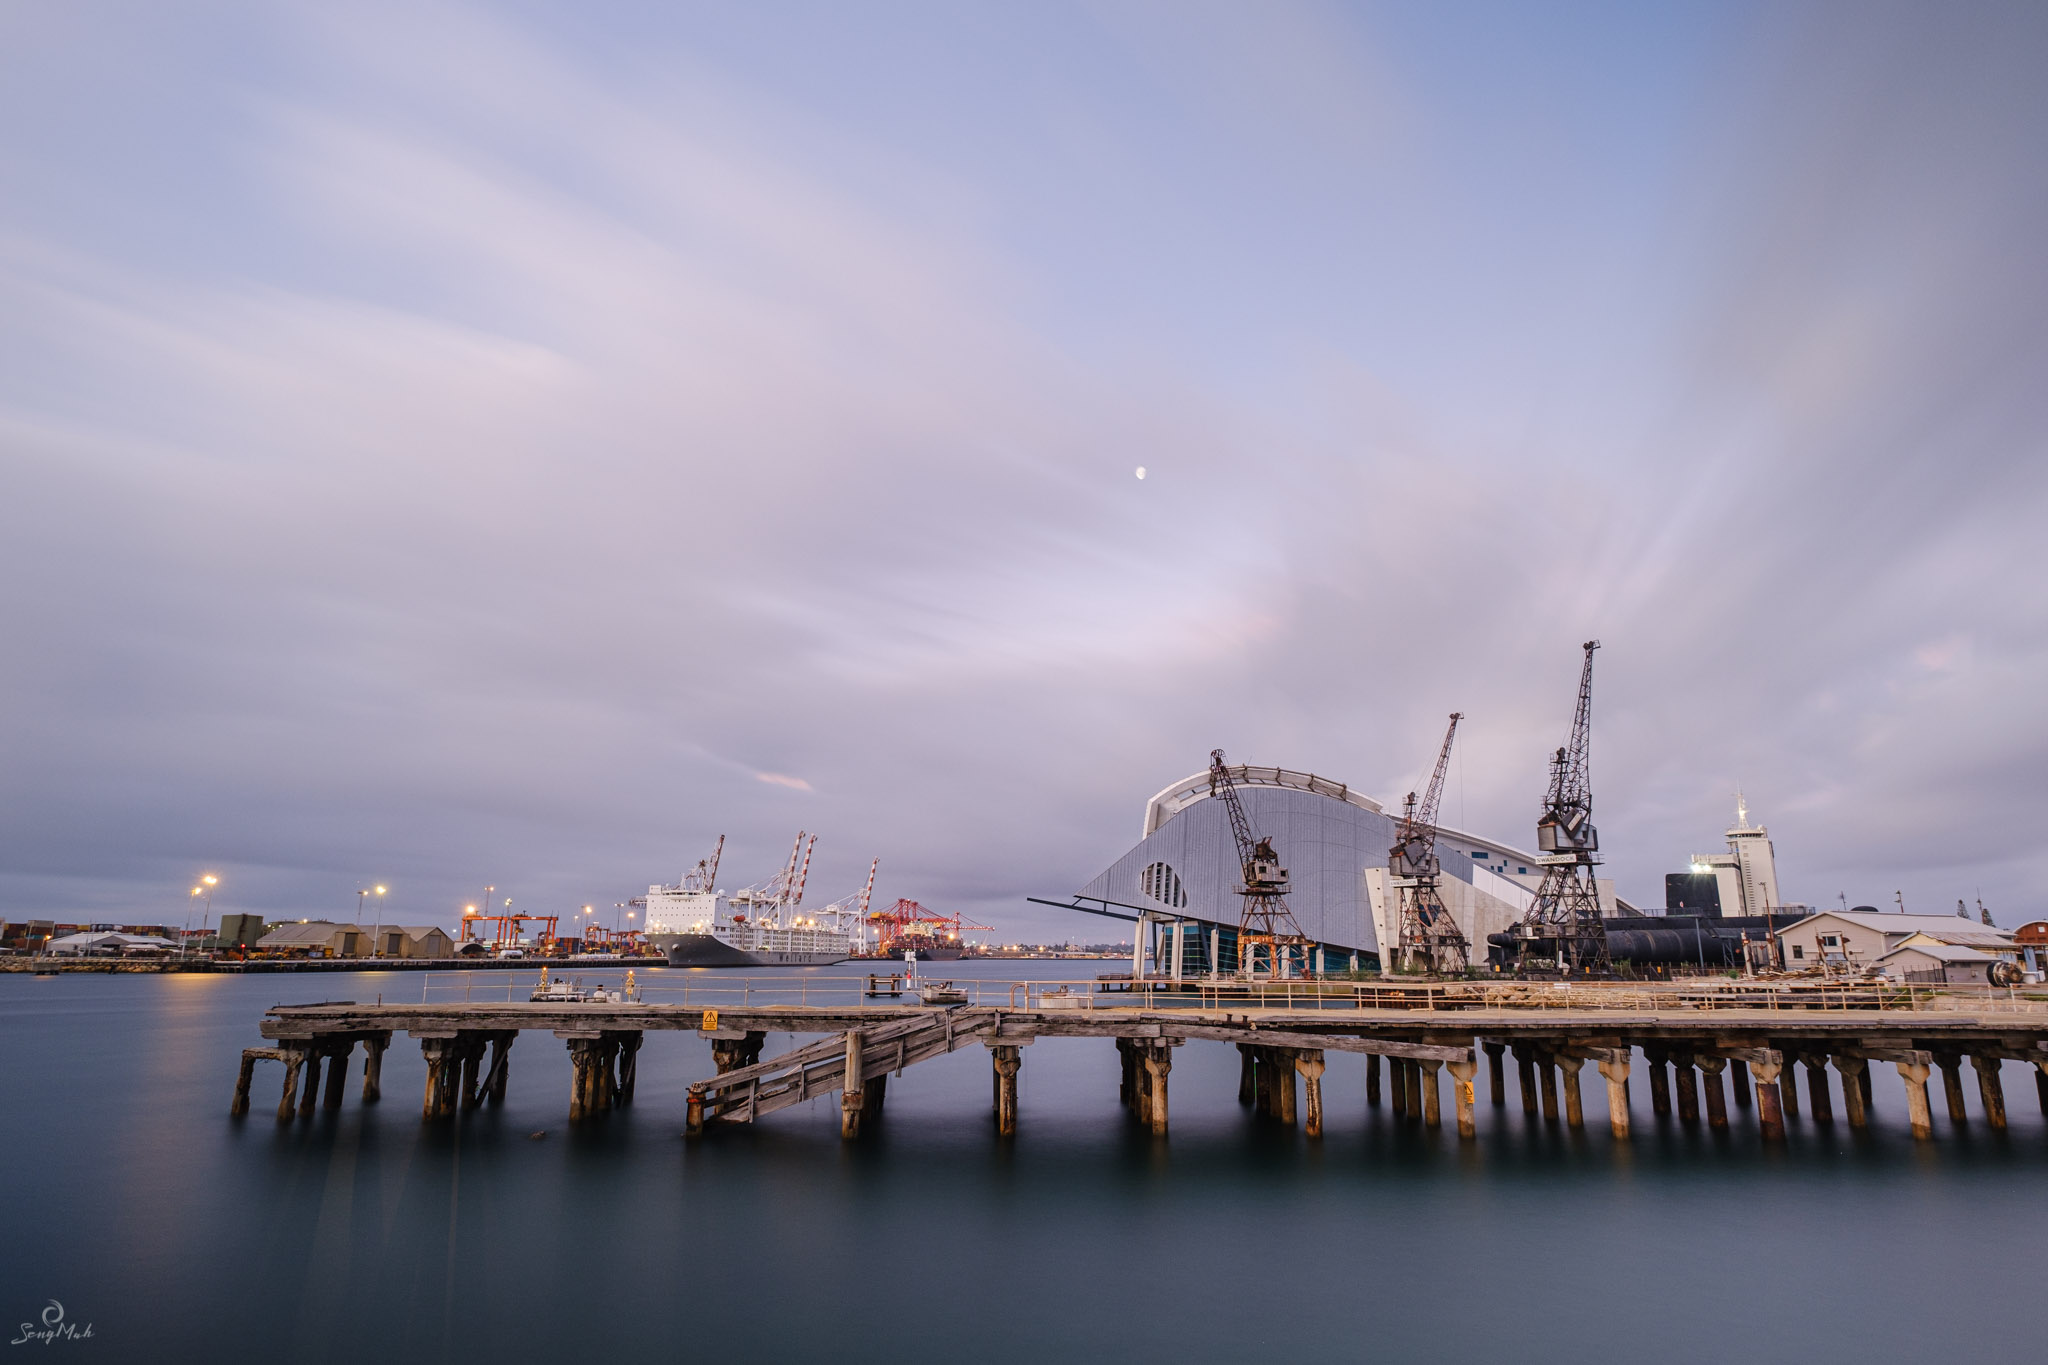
[[1564, 924], [1428, 934], [1266, 918]]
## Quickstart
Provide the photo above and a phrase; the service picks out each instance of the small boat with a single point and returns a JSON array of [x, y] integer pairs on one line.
[[1060, 998], [940, 993], [558, 992]]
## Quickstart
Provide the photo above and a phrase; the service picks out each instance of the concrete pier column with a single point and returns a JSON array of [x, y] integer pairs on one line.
[[1687, 1084], [1717, 1098], [1917, 1110], [1432, 1102], [1951, 1065], [1496, 1081], [1989, 1089], [852, 1096], [1615, 1072], [1309, 1062], [1247, 1079], [1819, 1095], [294, 1064], [1546, 1081], [1854, 1071], [1462, 1098], [373, 1066], [1525, 1076], [1574, 1099], [1660, 1084], [309, 1098], [337, 1073], [1372, 1080], [1158, 1062], [1006, 1060], [1738, 1081], [1770, 1115]]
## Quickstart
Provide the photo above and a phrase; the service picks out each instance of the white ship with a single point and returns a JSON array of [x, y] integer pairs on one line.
[[693, 924]]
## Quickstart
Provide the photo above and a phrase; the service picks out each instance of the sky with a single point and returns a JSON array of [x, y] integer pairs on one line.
[[448, 446]]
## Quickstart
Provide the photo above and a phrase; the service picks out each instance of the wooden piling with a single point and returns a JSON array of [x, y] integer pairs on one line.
[[1525, 1076], [441, 1056], [1309, 1062], [1951, 1065], [1710, 1082], [309, 1097], [1158, 1062], [1496, 1080], [1660, 1084], [1574, 1099], [373, 1066], [1397, 1077], [1788, 1087], [1247, 1079], [1686, 1078], [852, 1102], [1855, 1070], [1546, 1079], [337, 1072], [1461, 1093], [2041, 1085], [294, 1065], [243, 1078], [1614, 1070], [1989, 1088], [1432, 1112], [1770, 1114], [1917, 1111], [1819, 1095], [1372, 1080], [1006, 1061], [1738, 1081]]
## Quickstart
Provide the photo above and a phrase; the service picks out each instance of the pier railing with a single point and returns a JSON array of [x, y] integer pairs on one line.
[[839, 991]]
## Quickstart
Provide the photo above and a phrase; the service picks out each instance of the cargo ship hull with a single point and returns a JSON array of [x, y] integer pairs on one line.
[[707, 950]]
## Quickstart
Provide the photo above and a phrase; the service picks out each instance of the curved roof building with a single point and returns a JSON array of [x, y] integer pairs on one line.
[[1332, 839]]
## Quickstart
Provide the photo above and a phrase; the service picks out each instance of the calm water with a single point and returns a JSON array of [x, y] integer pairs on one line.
[[181, 1234]]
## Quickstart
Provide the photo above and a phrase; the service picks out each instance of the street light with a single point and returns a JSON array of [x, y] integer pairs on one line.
[[376, 947]]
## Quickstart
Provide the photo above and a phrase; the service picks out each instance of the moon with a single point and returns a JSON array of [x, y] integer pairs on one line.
[[1141, 471]]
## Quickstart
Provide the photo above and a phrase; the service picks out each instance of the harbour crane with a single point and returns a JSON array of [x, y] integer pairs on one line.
[[1266, 918], [1428, 936], [1566, 913], [704, 876]]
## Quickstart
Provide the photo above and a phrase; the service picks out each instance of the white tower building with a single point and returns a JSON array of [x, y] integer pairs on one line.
[[1747, 874]]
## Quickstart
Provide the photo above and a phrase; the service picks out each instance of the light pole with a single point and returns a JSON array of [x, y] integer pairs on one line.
[[207, 882], [376, 948]]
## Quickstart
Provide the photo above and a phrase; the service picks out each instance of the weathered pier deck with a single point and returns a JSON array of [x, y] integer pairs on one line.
[[1700, 1053]]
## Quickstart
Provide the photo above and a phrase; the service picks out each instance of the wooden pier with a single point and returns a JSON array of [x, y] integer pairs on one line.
[[1699, 1057]]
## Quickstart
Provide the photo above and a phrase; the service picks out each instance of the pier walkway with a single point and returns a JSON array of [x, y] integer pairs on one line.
[[1702, 1047]]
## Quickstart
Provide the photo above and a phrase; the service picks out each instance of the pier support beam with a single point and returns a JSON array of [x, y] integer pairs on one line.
[[1855, 1075], [373, 1065], [1546, 1081], [310, 1096], [1717, 1098], [1614, 1069], [1917, 1110], [731, 1051], [2041, 1085], [240, 1104], [1496, 1082], [1788, 1086], [1309, 1062], [1574, 1099], [1525, 1077], [1413, 1073], [1951, 1065], [1432, 1102], [1660, 1083], [1006, 1061], [1372, 1080], [501, 1065], [1461, 1092], [1738, 1081], [1989, 1089], [853, 1094], [1248, 1079], [1397, 1077], [1770, 1116], [629, 1065]]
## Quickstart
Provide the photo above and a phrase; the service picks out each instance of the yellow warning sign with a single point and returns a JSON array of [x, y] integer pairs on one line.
[[710, 1021]]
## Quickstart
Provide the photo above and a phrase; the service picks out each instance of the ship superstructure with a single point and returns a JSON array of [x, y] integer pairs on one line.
[[694, 924]]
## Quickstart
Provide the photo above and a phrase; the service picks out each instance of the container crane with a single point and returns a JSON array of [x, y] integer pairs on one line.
[[1566, 914], [1266, 918], [1428, 936]]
